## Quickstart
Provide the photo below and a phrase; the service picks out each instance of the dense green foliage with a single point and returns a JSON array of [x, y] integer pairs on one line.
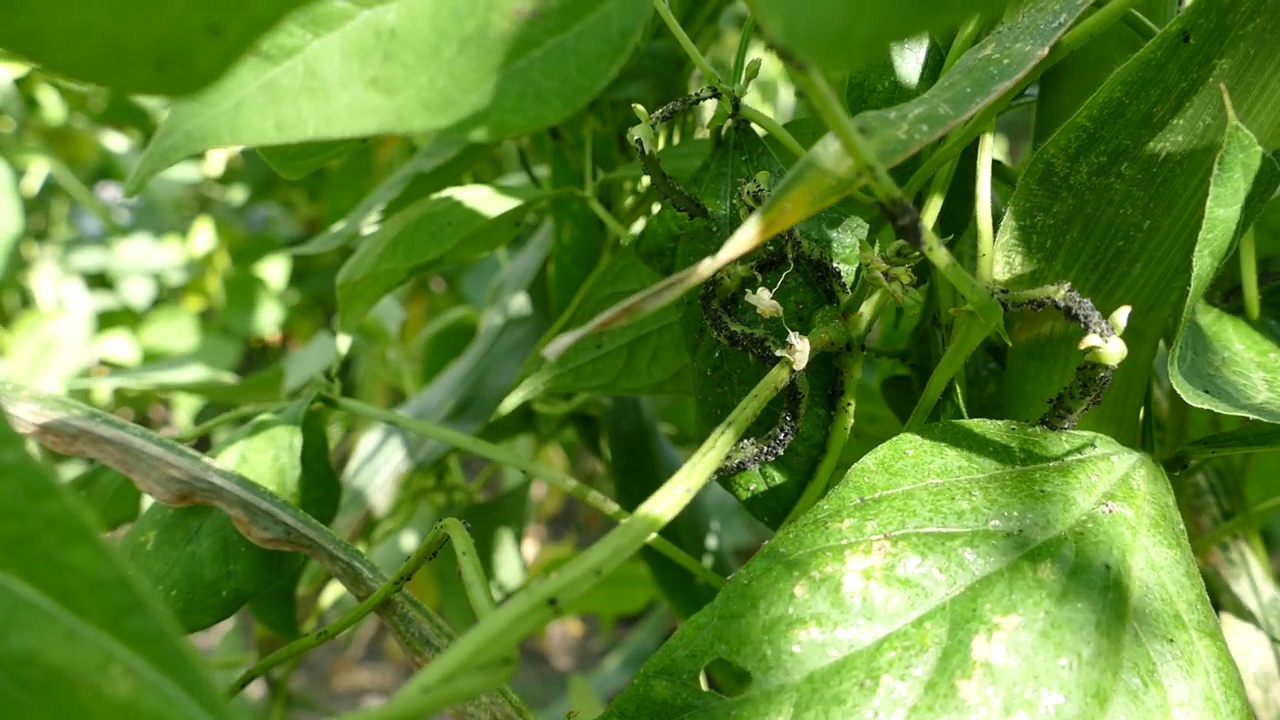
[[827, 359]]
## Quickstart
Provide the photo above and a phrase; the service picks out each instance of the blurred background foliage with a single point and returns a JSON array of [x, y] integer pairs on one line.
[[209, 298]]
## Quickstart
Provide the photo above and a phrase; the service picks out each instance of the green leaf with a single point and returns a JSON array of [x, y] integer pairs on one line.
[[113, 500], [1215, 359], [1094, 205], [488, 69], [841, 35], [82, 638], [12, 215], [296, 161], [458, 223], [976, 568], [204, 568], [647, 357], [170, 48], [319, 492]]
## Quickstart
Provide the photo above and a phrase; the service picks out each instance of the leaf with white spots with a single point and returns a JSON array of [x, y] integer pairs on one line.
[[976, 569]]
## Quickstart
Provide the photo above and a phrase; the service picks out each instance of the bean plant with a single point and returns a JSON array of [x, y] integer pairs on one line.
[[815, 360]]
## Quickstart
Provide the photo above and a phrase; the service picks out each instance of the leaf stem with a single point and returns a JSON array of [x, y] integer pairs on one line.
[[982, 208], [560, 479], [473, 581], [239, 413], [773, 127], [1249, 277], [607, 218], [534, 606], [700, 62]]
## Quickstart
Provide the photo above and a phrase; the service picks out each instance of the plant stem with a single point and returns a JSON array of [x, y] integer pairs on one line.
[[833, 112], [773, 127], [608, 219], [690, 49], [1249, 277], [982, 209], [239, 413], [560, 479], [1140, 25], [473, 582], [537, 604]]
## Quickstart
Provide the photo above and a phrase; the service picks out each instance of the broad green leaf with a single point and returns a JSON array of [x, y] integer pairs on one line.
[[487, 69], [317, 494], [204, 568], [1222, 363], [974, 569], [458, 223], [81, 637], [841, 35], [12, 215], [170, 48], [1095, 206], [110, 496], [647, 357], [1216, 357], [296, 161]]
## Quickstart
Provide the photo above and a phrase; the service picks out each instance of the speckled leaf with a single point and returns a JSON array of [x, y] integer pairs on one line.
[[487, 69], [1218, 360], [974, 569]]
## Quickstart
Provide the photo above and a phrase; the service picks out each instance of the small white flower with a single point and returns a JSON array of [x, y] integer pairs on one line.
[[762, 299], [797, 350]]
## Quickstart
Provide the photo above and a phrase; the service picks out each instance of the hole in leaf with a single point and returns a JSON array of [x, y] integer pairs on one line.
[[725, 677]]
